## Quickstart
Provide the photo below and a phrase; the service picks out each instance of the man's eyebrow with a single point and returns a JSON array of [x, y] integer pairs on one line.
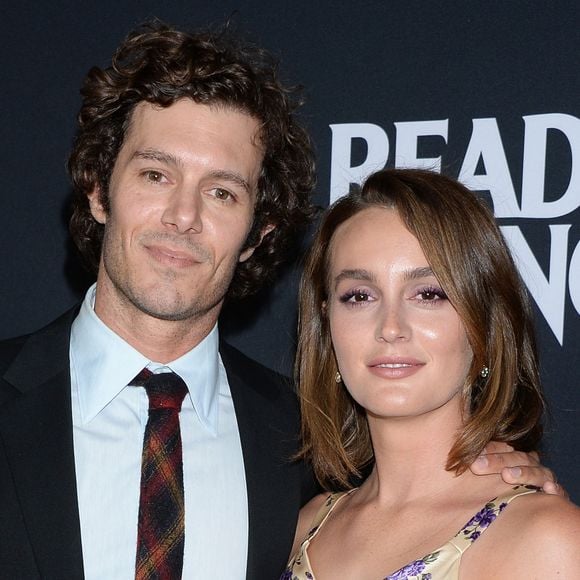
[[157, 155], [232, 177], [356, 274]]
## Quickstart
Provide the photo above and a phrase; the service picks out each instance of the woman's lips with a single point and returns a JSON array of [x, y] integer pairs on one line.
[[394, 367]]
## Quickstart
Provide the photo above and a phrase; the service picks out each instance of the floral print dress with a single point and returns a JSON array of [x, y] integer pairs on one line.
[[442, 564]]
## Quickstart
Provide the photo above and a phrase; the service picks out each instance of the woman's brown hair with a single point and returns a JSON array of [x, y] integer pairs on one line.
[[470, 258]]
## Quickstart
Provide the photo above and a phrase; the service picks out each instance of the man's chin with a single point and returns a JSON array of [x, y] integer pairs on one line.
[[170, 313], [172, 316], [172, 309]]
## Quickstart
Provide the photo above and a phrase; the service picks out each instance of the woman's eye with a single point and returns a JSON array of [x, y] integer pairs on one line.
[[431, 295], [359, 297], [355, 297]]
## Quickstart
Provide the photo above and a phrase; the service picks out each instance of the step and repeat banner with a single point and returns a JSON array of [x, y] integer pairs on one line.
[[487, 92]]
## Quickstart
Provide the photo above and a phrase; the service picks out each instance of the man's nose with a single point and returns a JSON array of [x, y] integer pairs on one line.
[[183, 212]]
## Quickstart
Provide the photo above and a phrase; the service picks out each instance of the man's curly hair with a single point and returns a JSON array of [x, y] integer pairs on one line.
[[161, 65]]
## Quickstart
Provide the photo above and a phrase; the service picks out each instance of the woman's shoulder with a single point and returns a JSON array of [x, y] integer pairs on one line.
[[547, 529], [306, 517], [310, 513], [312, 509], [538, 515], [536, 535], [549, 519]]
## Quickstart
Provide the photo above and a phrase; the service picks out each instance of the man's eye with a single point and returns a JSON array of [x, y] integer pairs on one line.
[[154, 176], [222, 194]]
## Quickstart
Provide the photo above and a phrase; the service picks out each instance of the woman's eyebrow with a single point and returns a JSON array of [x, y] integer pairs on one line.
[[356, 274]]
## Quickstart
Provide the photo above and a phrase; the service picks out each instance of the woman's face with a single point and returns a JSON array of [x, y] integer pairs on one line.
[[401, 347]]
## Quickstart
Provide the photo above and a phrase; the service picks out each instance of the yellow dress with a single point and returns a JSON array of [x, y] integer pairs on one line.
[[441, 564]]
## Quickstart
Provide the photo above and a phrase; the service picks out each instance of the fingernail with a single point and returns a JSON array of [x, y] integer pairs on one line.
[[482, 460], [516, 471]]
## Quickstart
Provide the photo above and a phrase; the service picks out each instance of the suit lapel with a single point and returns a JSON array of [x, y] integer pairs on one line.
[[267, 431], [36, 427]]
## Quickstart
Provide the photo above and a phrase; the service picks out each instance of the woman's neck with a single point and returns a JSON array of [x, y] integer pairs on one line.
[[411, 455]]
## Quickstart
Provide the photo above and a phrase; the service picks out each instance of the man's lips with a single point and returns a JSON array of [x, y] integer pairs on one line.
[[172, 256]]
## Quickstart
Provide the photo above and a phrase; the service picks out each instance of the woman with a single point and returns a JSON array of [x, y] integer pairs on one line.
[[416, 349]]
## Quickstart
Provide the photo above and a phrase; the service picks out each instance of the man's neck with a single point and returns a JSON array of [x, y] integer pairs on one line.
[[159, 340]]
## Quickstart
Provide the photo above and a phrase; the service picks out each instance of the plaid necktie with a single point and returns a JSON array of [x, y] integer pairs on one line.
[[161, 531]]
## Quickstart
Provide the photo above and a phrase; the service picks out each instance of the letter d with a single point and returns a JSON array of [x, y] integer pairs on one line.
[[534, 169]]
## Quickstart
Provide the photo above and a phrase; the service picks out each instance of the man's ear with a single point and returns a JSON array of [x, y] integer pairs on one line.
[[96, 206], [249, 251]]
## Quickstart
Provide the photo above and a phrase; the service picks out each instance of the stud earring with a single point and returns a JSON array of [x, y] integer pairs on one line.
[[338, 377], [484, 372]]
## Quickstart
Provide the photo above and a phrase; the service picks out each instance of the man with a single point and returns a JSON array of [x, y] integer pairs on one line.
[[191, 174], [190, 170]]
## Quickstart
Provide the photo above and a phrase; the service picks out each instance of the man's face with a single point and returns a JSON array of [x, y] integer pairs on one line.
[[182, 196]]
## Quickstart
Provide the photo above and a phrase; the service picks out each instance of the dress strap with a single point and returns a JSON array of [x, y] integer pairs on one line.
[[325, 510], [480, 522]]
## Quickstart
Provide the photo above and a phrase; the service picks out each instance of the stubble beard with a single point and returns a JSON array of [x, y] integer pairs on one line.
[[162, 300]]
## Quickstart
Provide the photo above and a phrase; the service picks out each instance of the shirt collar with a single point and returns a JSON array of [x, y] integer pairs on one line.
[[104, 364]]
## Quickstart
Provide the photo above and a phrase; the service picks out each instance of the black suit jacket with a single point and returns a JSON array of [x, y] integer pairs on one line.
[[39, 520]]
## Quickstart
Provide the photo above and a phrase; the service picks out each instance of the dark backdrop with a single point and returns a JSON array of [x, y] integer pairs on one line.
[[487, 90]]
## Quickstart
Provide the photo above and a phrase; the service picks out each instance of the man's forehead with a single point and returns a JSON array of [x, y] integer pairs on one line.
[[145, 110], [187, 117], [225, 138]]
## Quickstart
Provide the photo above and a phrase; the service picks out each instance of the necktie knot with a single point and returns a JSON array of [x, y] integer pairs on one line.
[[165, 390]]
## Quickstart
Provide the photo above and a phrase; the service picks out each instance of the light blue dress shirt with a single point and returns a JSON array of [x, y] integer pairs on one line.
[[109, 420]]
